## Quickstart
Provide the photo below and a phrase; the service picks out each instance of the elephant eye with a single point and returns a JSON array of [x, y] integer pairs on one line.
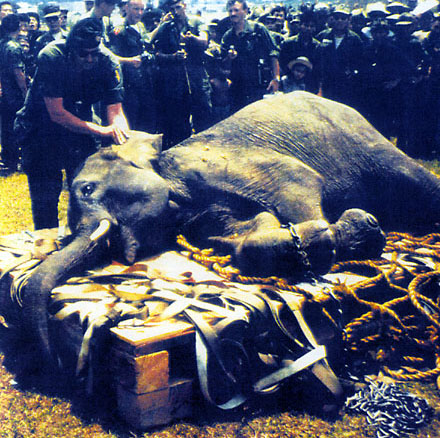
[[371, 220], [87, 189]]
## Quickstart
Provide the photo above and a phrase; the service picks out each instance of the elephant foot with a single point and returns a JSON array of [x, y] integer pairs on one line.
[[358, 236], [270, 249]]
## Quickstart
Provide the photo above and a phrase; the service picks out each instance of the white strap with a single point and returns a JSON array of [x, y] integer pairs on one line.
[[303, 362]]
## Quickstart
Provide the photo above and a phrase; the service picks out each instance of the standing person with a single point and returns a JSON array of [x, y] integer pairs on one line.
[[280, 14], [381, 73], [34, 33], [128, 40], [183, 89], [52, 17], [411, 90], [431, 38], [271, 24], [340, 55], [34, 27], [102, 10], [55, 125], [14, 87], [24, 24], [248, 48], [305, 45]]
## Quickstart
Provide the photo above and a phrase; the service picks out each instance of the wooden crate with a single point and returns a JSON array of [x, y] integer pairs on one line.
[[154, 386]]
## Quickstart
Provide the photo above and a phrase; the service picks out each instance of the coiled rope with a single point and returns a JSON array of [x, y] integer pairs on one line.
[[392, 316]]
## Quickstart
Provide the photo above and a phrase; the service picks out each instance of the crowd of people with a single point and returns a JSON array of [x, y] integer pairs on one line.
[[71, 84]]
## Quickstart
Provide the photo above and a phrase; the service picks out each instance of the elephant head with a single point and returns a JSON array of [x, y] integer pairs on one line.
[[118, 202]]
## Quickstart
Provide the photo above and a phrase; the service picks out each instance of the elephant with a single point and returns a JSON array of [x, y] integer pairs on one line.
[[286, 185]]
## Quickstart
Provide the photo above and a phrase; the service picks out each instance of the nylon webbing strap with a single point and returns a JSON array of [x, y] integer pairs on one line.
[[298, 365], [206, 337], [322, 371]]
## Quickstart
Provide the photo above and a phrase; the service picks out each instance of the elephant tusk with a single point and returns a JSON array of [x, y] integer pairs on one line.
[[102, 230]]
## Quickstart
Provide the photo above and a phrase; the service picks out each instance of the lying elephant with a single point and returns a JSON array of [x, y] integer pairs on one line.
[[295, 158]]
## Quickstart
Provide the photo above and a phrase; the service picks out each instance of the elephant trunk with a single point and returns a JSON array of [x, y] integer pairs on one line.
[[81, 252]]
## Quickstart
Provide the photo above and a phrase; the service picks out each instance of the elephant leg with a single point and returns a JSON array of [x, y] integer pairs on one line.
[[268, 248]]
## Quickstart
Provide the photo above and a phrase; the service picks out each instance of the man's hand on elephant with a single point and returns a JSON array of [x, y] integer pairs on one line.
[[119, 135]]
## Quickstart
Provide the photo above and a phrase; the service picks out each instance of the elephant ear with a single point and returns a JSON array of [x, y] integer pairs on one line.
[[141, 149]]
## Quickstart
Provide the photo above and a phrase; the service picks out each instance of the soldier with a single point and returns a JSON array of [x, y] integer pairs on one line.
[[102, 10], [340, 57], [34, 33], [55, 125], [252, 55], [24, 24], [183, 89], [431, 38], [279, 12], [34, 27], [412, 88], [52, 17], [381, 73], [271, 23], [14, 87], [128, 40]]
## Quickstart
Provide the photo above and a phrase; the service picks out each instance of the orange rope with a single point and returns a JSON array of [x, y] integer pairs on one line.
[[405, 321]]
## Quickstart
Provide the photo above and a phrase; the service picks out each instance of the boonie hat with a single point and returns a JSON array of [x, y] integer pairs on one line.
[[300, 60]]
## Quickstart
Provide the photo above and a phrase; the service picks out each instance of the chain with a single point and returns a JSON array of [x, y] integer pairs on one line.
[[305, 265]]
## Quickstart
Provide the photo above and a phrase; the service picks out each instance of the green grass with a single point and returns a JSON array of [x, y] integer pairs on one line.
[[32, 414], [15, 205]]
